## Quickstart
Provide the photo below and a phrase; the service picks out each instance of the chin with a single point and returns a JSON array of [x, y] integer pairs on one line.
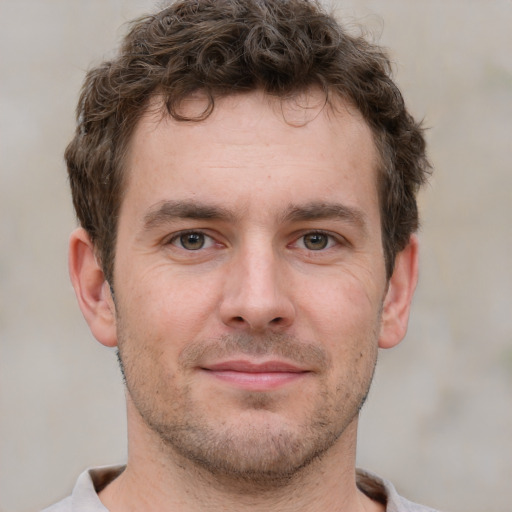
[[258, 449]]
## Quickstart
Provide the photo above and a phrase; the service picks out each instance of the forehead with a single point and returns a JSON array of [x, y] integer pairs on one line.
[[252, 140], [233, 116]]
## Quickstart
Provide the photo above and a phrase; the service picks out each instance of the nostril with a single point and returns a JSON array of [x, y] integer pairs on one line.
[[277, 320]]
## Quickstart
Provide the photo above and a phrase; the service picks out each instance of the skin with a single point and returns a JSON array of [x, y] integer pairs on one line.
[[250, 301]]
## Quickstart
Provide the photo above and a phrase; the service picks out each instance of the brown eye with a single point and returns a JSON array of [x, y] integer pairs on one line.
[[316, 241], [192, 241]]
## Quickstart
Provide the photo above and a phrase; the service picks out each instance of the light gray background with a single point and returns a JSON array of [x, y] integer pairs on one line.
[[439, 418]]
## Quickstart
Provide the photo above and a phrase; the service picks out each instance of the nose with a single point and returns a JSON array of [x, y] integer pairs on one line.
[[257, 296]]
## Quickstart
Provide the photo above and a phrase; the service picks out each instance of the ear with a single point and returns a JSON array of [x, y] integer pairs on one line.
[[91, 289], [397, 303]]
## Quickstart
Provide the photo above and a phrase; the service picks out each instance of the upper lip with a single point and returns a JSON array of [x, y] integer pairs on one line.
[[253, 367]]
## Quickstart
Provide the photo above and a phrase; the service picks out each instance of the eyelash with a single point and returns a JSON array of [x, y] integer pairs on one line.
[[176, 239], [331, 240]]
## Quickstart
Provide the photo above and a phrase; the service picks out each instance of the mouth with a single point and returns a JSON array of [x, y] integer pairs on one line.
[[248, 375]]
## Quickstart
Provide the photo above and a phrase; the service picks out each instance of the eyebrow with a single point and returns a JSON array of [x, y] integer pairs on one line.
[[171, 210], [167, 211], [321, 211]]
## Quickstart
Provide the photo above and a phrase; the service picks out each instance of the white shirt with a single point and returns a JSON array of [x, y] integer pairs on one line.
[[84, 497]]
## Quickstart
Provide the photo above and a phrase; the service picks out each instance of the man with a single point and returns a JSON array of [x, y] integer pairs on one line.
[[244, 173]]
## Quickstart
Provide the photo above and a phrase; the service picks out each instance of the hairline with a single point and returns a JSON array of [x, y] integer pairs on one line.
[[334, 99]]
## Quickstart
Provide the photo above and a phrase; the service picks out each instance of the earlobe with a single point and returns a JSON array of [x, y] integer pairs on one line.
[[397, 303], [91, 289]]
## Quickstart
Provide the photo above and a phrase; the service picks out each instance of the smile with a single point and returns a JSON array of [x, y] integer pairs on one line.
[[256, 376]]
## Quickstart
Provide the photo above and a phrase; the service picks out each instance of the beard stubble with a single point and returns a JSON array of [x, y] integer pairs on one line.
[[264, 453]]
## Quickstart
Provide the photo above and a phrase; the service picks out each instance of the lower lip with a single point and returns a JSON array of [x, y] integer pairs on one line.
[[257, 381]]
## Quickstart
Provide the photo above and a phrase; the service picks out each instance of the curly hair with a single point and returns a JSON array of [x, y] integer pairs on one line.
[[223, 47]]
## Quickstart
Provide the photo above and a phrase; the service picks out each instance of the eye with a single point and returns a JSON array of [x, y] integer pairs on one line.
[[192, 240], [316, 241]]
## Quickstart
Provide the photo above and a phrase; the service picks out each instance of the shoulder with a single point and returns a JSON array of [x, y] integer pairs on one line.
[[62, 506], [383, 491], [409, 506], [85, 493]]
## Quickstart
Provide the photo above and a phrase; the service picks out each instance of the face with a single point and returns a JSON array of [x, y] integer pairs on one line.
[[249, 281]]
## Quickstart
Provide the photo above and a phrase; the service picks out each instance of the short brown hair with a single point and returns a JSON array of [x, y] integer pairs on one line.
[[223, 47]]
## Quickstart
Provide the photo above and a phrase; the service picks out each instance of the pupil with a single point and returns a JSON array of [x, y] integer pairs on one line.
[[315, 241], [192, 241]]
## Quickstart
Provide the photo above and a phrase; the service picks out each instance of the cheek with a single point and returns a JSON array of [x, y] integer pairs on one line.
[[346, 321], [345, 307], [169, 302]]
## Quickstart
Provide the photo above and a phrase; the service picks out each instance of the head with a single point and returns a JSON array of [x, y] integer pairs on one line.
[[253, 169], [225, 47]]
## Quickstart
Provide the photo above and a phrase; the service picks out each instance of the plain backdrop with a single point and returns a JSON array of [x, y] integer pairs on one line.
[[438, 422]]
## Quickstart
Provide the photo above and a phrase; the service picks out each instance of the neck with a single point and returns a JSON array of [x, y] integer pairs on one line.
[[158, 479]]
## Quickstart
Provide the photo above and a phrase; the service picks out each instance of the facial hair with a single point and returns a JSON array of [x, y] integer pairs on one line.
[[266, 453]]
